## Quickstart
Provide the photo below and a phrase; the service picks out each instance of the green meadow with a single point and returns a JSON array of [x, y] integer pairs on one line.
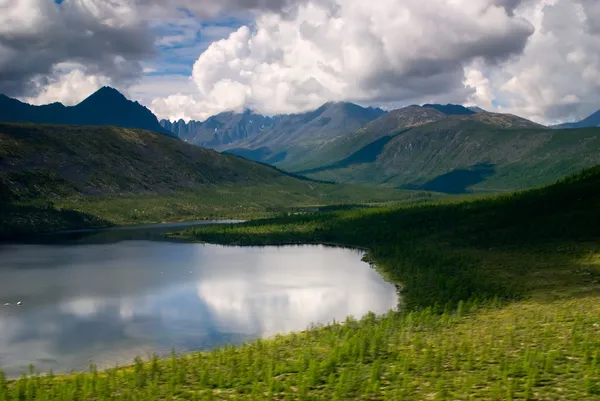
[[500, 300]]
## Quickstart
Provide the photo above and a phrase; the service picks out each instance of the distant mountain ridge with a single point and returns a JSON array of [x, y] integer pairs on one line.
[[451, 109], [301, 142], [592, 120], [423, 148], [396, 121], [277, 138], [107, 106]]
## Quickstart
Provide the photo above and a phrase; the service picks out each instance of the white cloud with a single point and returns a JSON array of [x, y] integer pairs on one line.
[[68, 87], [483, 96], [175, 107], [535, 58], [558, 76], [152, 86], [37, 36], [401, 50]]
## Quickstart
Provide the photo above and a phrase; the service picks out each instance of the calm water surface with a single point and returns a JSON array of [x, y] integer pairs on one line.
[[108, 302]]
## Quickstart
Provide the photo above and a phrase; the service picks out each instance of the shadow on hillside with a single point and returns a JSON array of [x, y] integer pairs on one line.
[[456, 181], [367, 154], [21, 221], [262, 155], [256, 155]]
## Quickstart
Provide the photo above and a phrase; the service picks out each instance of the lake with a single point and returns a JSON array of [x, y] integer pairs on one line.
[[108, 300]]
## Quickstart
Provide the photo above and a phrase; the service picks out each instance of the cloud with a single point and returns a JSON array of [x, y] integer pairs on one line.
[[63, 52], [163, 85], [558, 76], [399, 51], [212, 9], [535, 58], [67, 84], [483, 96], [105, 37]]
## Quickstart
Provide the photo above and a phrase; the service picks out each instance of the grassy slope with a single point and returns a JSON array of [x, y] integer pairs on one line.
[[519, 157], [343, 146], [58, 177], [501, 298], [398, 121]]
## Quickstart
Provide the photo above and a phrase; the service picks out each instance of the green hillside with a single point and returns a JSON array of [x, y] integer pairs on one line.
[[459, 154], [387, 125], [60, 176], [500, 301], [278, 140]]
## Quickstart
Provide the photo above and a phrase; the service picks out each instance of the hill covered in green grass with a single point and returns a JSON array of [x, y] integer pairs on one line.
[[59, 176], [482, 152], [500, 301]]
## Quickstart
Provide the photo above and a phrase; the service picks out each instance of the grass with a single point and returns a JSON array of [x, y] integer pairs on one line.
[[524, 351], [56, 177], [435, 154], [207, 202], [445, 253], [500, 301]]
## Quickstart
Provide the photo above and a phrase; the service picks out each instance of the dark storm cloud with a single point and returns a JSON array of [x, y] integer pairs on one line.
[[510, 5], [212, 8], [436, 82], [591, 9], [106, 37], [36, 35], [442, 73]]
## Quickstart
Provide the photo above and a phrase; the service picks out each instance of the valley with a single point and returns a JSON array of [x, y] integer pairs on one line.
[[464, 156], [499, 300], [441, 148], [278, 200], [469, 287], [277, 140], [56, 177]]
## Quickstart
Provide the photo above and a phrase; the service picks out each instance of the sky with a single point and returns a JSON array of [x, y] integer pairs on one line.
[[190, 59]]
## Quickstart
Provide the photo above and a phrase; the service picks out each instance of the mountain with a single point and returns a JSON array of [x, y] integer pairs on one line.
[[476, 109], [456, 153], [72, 176], [372, 133], [224, 129], [590, 121], [451, 109], [278, 140], [380, 131], [180, 127], [107, 106]]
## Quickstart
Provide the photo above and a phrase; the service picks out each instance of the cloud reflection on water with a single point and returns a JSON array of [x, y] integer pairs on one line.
[[111, 302]]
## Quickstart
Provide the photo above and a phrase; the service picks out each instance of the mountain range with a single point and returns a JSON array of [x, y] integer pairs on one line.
[[107, 106], [444, 148], [458, 154], [277, 139], [591, 121], [288, 140]]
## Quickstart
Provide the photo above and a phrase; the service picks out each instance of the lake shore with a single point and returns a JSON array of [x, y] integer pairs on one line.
[[501, 301]]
